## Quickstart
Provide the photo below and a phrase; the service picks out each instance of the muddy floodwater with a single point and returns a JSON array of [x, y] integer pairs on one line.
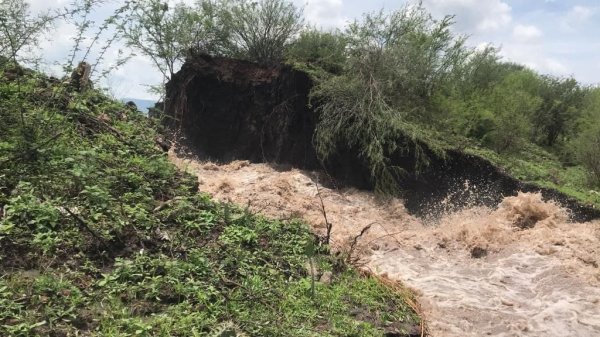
[[519, 269]]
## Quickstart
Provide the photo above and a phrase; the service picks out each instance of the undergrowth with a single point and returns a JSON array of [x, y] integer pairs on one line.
[[533, 164], [101, 235]]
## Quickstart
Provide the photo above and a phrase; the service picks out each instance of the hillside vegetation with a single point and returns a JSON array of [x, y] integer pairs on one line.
[[101, 235]]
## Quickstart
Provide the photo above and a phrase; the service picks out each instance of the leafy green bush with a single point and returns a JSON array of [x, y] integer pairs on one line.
[[395, 64], [513, 106], [322, 49], [260, 30], [587, 151], [560, 109]]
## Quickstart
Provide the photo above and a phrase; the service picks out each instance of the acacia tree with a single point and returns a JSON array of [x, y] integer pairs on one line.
[[20, 29], [316, 48], [162, 33], [562, 100], [395, 63], [259, 31]]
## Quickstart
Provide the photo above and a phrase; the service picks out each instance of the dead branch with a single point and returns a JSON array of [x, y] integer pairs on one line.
[[355, 241], [328, 224], [83, 225]]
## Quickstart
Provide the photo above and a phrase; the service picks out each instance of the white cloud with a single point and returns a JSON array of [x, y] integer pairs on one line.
[[37, 6], [577, 16], [526, 33], [479, 15], [133, 79], [554, 66], [534, 57], [325, 14]]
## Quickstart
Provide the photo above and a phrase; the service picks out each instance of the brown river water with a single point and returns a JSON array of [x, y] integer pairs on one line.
[[520, 269]]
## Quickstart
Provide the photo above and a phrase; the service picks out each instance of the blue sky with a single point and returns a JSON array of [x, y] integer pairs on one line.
[[559, 37]]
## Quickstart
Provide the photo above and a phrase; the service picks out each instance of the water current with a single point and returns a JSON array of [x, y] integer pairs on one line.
[[518, 269]]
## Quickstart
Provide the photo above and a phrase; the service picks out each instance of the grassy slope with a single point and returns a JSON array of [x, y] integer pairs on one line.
[[531, 163], [101, 235], [536, 165]]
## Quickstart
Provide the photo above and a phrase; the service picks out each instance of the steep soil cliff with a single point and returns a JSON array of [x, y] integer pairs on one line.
[[229, 109]]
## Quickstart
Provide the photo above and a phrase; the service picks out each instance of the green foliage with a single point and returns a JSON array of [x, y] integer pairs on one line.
[[351, 119], [405, 57], [410, 88], [260, 30], [559, 110], [513, 104], [587, 151], [325, 50], [395, 65], [19, 28], [161, 32]]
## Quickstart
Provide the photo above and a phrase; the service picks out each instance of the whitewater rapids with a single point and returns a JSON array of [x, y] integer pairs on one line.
[[520, 269]]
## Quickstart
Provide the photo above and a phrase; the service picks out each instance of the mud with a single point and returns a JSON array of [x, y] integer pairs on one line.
[[517, 269]]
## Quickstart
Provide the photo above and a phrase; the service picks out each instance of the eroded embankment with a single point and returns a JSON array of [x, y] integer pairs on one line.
[[520, 269], [226, 109]]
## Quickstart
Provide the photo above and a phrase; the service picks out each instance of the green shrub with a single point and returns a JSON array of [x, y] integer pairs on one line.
[[259, 30], [323, 49], [395, 64], [513, 107], [561, 107], [587, 151]]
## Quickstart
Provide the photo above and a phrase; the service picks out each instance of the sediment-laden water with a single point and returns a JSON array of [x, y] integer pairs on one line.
[[520, 269]]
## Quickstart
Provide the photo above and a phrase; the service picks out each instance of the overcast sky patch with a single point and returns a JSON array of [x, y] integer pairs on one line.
[[555, 37]]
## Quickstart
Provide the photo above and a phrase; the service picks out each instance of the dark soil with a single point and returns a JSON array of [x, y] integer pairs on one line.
[[229, 109]]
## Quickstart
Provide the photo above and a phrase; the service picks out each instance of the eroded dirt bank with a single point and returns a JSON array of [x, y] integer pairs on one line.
[[519, 269], [227, 109]]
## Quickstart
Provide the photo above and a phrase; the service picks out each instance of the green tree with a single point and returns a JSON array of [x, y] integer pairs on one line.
[[160, 32], [323, 49], [396, 63], [209, 34], [587, 151], [513, 102], [260, 30], [562, 99], [19, 28]]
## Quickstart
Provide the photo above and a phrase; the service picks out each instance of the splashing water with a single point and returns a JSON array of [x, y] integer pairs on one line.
[[518, 270]]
